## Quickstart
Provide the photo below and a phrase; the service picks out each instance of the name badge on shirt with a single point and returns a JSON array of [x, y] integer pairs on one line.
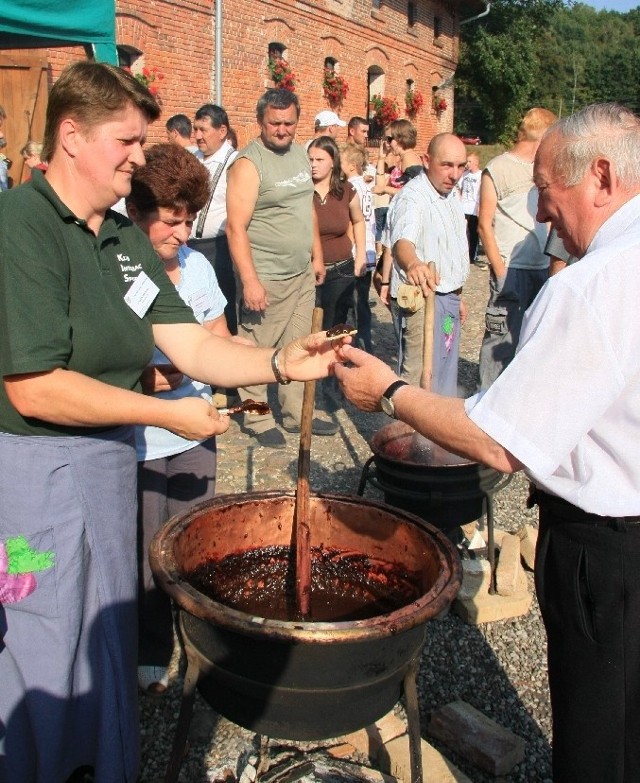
[[199, 301], [141, 294]]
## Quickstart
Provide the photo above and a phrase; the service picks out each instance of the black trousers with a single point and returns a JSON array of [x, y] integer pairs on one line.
[[216, 250], [588, 585]]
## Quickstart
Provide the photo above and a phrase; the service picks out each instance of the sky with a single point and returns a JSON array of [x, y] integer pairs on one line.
[[613, 5]]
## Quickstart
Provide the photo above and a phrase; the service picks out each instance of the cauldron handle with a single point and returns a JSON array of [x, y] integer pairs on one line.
[[364, 476]]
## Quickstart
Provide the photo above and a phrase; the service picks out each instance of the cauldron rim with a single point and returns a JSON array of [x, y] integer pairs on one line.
[[397, 430], [188, 598]]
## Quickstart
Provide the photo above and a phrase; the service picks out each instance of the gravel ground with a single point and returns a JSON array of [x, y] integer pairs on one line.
[[498, 667]]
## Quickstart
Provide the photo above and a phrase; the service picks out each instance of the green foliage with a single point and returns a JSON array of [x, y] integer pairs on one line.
[[543, 53]]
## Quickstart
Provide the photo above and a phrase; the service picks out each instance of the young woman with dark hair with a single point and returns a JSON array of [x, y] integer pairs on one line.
[[342, 227]]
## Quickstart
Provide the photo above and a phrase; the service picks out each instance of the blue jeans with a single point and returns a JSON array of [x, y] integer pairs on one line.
[[335, 295]]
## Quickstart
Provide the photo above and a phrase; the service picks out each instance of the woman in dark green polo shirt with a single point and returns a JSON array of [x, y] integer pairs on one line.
[[84, 300]]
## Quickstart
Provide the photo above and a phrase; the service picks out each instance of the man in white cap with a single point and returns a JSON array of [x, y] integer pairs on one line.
[[326, 123]]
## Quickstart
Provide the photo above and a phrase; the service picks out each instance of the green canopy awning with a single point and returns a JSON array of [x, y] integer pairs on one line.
[[27, 24]]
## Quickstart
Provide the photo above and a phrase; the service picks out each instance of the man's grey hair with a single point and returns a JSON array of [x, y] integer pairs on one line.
[[278, 98], [606, 130]]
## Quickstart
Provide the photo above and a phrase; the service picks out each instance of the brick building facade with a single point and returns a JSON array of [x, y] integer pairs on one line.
[[384, 47]]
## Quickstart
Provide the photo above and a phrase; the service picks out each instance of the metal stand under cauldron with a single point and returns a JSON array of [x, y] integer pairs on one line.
[[441, 488], [302, 680]]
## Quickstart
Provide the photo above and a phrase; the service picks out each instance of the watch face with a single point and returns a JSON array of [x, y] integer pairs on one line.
[[387, 406], [386, 401]]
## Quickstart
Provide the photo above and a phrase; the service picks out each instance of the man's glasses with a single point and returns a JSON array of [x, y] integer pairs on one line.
[[388, 139]]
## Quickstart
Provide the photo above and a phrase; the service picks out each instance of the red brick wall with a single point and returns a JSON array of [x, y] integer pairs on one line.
[[178, 38]]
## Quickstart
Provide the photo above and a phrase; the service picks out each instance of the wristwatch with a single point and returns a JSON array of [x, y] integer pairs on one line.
[[386, 401]]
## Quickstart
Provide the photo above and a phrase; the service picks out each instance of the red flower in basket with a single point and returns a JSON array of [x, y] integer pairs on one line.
[[385, 109], [282, 74], [148, 76], [439, 104], [334, 87], [413, 102]]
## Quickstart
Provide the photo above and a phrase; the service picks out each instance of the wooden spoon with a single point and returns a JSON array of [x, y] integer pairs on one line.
[[301, 523]]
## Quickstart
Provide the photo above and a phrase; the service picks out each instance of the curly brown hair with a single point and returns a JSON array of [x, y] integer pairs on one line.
[[172, 178]]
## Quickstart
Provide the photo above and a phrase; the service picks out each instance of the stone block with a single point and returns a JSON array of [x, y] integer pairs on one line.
[[508, 567], [489, 608], [476, 578], [528, 536], [395, 759], [477, 738], [498, 535], [370, 739]]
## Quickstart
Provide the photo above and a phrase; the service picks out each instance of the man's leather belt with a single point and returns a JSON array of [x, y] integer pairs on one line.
[[570, 513]]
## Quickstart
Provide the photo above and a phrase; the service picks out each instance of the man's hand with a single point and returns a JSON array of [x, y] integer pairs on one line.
[[464, 311], [423, 275], [366, 380], [254, 296]]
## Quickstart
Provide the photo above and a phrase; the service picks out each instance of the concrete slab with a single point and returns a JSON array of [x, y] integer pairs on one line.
[[489, 608], [528, 536], [477, 738], [508, 566], [395, 759]]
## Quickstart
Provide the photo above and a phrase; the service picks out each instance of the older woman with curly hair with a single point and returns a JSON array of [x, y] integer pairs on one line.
[[173, 472]]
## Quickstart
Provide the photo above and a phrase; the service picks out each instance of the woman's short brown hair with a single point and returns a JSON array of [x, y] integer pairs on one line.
[[403, 132], [172, 178], [91, 93]]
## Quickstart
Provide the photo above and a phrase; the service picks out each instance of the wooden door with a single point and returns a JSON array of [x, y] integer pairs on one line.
[[23, 95]]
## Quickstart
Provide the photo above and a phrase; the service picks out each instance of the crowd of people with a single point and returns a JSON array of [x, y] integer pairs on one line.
[[120, 324]]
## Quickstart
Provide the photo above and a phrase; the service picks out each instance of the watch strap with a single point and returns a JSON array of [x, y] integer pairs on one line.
[[391, 390]]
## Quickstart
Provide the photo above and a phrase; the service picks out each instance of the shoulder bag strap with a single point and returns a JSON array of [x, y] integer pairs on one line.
[[214, 184]]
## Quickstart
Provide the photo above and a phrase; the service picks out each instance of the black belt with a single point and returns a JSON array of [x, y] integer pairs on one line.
[[570, 513]]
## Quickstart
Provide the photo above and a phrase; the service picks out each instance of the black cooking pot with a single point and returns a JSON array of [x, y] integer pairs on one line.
[[303, 680], [419, 477]]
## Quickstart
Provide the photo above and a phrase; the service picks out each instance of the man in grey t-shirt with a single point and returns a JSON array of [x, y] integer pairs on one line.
[[275, 246], [513, 242]]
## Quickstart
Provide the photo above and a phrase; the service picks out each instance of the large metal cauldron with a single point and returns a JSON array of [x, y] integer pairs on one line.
[[303, 680], [424, 479]]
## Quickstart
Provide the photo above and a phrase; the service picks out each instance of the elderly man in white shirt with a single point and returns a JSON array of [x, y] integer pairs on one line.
[[211, 129], [429, 242], [566, 411]]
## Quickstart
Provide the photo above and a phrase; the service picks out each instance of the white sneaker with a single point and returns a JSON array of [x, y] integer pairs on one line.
[[153, 679]]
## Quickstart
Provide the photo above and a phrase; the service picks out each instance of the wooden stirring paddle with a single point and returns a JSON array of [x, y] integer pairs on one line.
[[301, 524], [428, 338]]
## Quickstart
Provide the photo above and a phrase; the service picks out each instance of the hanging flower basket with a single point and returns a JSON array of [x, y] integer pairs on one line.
[[384, 109], [282, 74], [439, 103], [148, 77], [413, 102], [334, 87]]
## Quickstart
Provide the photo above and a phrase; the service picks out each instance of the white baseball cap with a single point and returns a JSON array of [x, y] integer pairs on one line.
[[326, 118]]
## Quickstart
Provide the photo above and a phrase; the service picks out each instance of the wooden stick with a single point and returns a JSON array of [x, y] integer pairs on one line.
[[301, 520], [427, 350]]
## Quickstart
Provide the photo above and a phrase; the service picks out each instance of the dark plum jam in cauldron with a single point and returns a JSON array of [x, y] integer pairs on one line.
[[345, 586]]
